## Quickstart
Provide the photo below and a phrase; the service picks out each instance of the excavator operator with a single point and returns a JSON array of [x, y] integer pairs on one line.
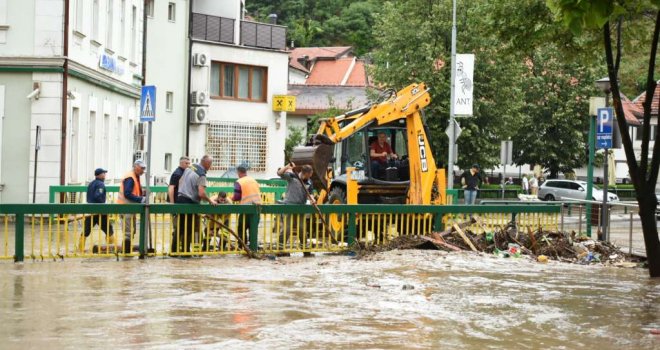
[[380, 153]]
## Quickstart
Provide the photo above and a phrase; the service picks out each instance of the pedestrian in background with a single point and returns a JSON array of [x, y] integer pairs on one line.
[[470, 182], [173, 191], [534, 185], [192, 190], [246, 191], [525, 184], [130, 191], [96, 194], [296, 193]]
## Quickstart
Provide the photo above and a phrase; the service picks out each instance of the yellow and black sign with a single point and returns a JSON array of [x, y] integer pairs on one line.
[[284, 103]]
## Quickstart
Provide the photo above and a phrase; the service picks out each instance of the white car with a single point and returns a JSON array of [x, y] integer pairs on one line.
[[552, 190]]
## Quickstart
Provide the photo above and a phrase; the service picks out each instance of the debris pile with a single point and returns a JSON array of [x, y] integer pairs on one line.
[[512, 242]]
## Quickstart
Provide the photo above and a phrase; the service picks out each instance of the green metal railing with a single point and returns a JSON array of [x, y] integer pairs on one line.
[[51, 230]]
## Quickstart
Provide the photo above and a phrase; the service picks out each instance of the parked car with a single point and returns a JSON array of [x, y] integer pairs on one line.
[[552, 190]]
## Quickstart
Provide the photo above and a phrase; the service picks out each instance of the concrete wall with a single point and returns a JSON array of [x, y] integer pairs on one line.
[[48, 27], [18, 38], [45, 112], [167, 70], [15, 151], [239, 111]]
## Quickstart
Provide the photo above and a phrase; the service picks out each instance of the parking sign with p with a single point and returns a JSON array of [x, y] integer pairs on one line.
[[604, 119]]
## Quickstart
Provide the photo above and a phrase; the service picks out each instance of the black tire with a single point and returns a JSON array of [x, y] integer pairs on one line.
[[549, 198], [337, 195]]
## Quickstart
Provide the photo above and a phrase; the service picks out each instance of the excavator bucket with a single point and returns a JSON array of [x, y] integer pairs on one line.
[[318, 155]]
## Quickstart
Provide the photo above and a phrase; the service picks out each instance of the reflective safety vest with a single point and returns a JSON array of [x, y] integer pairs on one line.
[[250, 193], [137, 188]]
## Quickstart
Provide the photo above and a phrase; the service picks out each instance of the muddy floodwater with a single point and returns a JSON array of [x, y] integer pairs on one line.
[[394, 300]]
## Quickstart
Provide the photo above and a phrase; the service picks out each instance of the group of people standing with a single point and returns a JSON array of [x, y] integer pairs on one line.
[[472, 179], [188, 185]]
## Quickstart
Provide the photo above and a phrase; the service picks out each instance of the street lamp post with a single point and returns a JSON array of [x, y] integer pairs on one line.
[[452, 123], [604, 85]]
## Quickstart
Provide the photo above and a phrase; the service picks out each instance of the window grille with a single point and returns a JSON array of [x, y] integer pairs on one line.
[[232, 144]]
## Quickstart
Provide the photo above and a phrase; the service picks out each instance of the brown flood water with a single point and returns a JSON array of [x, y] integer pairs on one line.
[[458, 301]]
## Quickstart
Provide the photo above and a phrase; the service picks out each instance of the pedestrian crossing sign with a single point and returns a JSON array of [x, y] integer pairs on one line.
[[148, 104]]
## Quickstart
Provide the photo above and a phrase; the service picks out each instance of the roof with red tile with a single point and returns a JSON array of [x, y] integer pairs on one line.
[[341, 72], [358, 76], [315, 53], [655, 103], [630, 111]]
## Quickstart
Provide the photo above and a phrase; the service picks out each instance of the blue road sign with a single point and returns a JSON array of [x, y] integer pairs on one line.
[[148, 104], [604, 119]]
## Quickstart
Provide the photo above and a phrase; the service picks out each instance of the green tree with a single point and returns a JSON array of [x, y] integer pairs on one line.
[[418, 49], [605, 15], [295, 138]]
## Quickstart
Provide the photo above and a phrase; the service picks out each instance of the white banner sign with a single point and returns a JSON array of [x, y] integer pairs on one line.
[[464, 84]]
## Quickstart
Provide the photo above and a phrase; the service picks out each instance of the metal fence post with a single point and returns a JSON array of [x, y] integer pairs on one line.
[[254, 229], [352, 228], [562, 217], [630, 234], [20, 236], [580, 221], [143, 231], [437, 222]]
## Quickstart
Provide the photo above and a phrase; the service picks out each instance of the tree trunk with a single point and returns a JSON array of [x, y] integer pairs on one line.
[[643, 186], [649, 227]]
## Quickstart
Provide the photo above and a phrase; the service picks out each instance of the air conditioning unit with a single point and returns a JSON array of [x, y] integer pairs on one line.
[[199, 97], [199, 60], [199, 115]]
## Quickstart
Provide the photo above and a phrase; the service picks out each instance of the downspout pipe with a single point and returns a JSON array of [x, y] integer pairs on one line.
[[189, 59], [144, 43], [65, 80]]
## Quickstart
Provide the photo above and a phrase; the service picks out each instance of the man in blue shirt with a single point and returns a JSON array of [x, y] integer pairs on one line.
[[96, 194]]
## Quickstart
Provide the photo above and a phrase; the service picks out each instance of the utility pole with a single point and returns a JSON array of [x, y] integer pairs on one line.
[[452, 121]]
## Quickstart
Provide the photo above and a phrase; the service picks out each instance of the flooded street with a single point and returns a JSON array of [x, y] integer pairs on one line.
[[394, 300]]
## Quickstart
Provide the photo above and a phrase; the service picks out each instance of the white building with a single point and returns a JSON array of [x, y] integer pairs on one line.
[[82, 69], [237, 67], [166, 68]]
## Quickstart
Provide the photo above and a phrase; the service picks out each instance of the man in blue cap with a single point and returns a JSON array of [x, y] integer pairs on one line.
[[96, 194]]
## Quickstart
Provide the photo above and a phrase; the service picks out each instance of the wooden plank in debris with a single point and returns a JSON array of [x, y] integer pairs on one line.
[[442, 243], [465, 238]]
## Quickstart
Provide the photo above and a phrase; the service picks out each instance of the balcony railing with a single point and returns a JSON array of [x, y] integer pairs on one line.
[[263, 35], [221, 29], [213, 28]]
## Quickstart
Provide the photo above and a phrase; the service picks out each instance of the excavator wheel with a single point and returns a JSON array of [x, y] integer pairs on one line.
[[337, 196]]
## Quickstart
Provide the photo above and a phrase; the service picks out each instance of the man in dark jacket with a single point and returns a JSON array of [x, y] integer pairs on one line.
[[96, 194], [471, 181], [173, 193]]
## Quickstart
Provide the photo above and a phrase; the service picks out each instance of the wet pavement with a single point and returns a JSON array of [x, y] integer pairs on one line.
[[394, 300]]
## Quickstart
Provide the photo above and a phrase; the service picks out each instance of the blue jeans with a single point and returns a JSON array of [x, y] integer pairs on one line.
[[470, 196]]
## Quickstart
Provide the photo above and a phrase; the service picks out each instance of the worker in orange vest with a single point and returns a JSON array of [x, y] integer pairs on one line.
[[246, 191], [130, 191]]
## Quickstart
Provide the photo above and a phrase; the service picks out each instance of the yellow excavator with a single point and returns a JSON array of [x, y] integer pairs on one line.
[[340, 154]]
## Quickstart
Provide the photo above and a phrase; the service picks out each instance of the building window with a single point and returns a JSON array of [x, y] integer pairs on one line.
[[239, 82], [171, 11], [133, 33], [122, 23], [79, 16], [111, 19], [232, 144], [95, 20], [168, 162], [150, 8], [169, 101], [640, 133]]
